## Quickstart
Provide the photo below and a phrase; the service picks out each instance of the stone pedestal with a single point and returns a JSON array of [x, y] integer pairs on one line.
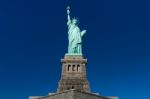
[[73, 74], [73, 83]]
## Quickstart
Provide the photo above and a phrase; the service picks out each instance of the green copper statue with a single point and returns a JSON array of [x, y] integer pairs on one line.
[[74, 36]]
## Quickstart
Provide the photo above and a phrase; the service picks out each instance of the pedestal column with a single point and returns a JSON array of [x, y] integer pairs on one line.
[[73, 74]]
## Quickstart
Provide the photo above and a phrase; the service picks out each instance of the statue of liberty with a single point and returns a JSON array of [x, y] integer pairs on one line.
[[74, 35]]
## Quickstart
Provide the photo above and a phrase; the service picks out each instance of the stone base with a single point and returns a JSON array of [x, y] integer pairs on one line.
[[73, 94], [73, 74]]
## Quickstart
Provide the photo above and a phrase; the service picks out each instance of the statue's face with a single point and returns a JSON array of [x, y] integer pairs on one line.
[[74, 21]]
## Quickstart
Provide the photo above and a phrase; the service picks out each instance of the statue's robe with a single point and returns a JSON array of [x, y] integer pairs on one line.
[[75, 38]]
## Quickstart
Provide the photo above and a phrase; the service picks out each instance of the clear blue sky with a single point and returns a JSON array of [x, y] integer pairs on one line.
[[33, 39]]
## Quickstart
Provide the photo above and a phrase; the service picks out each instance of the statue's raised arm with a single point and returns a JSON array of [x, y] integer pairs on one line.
[[68, 15]]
